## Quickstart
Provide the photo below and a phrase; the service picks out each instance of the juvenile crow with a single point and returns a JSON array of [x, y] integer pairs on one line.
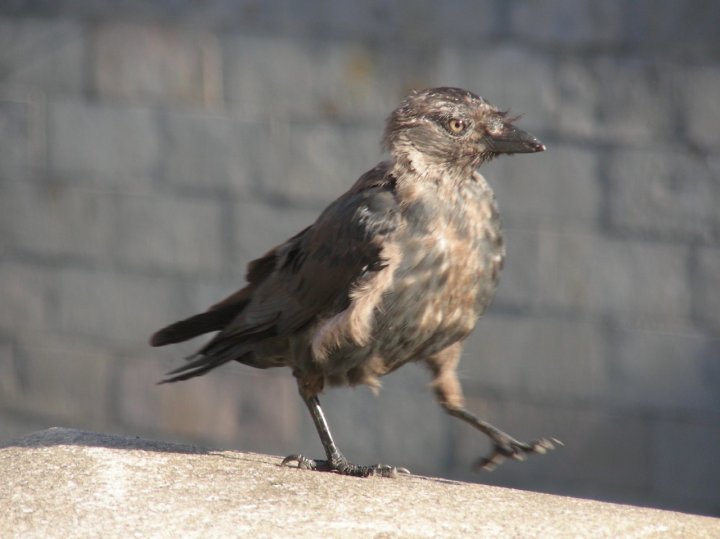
[[398, 269]]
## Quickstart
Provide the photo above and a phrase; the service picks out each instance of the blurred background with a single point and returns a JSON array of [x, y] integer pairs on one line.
[[149, 150]]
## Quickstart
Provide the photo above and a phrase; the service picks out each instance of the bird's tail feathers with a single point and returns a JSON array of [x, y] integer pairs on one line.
[[199, 364], [213, 320]]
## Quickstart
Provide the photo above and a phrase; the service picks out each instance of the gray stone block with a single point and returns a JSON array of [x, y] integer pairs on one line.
[[176, 234], [157, 62], [665, 370], [632, 281], [209, 151], [64, 379], [661, 28], [577, 91], [707, 287], [26, 291], [45, 53], [665, 192], [635, 100], [569, 23], [103, 141], [286, 78], [320, 161], [113, 306], [56, 218], [9, 379], [558, 188], [700, 86], [403, 23], [685, 455], [551, 359], [15, 136]]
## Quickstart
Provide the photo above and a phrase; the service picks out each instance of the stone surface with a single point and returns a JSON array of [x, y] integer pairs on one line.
[[320, 160], [118, 141], [685, 369], [635, 100], [632, 280], [693, 441], [25, 289], [69, 379], [660, 28], [708, 290], [157, 62], [281, 78], [703, 112], [112, 306], [176, 233], [568, 22], [664, 192], [208, 151], [47, 52], [576, 89], [15, 133], [58, 218], [548, 358], [63, 482], [559, 188]]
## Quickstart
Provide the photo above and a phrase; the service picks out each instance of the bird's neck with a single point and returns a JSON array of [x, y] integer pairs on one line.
[[414, 170]]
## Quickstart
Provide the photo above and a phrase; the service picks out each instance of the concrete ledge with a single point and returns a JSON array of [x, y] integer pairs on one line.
[[70, 483]]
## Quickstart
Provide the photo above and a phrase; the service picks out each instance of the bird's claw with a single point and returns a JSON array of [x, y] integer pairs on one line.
[[345, 468], [303, 463], [384, 470], [511, 448]]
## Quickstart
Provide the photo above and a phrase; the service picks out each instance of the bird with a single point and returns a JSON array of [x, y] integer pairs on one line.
[[398, 269]]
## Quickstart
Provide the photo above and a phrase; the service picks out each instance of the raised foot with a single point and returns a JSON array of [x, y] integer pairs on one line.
[[343, 467], [507, 447]]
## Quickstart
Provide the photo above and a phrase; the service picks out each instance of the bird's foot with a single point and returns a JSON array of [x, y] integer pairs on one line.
[[505, 446], [341, 466]]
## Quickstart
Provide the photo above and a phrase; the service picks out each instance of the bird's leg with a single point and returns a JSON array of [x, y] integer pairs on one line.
[[449, 394], [336, 461], [504, 445]]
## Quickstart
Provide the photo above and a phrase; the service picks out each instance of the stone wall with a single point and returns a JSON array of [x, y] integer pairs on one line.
[[148, 151]]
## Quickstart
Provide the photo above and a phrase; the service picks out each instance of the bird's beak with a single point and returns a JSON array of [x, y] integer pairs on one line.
[[513, 140]]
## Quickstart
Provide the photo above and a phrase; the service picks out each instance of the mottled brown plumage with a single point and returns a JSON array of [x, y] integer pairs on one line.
[[398, 269]]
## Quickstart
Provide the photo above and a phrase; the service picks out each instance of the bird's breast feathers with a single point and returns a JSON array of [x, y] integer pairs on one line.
[[439, 272]]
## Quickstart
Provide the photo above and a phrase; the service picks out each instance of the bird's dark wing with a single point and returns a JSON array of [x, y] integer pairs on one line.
[[221, 314], [309, 277], [313, 273]]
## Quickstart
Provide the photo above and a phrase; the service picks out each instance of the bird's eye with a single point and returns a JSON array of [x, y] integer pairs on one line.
[[456, 125]]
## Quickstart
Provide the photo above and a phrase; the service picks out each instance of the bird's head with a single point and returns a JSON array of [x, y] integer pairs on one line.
[[453, 128]]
